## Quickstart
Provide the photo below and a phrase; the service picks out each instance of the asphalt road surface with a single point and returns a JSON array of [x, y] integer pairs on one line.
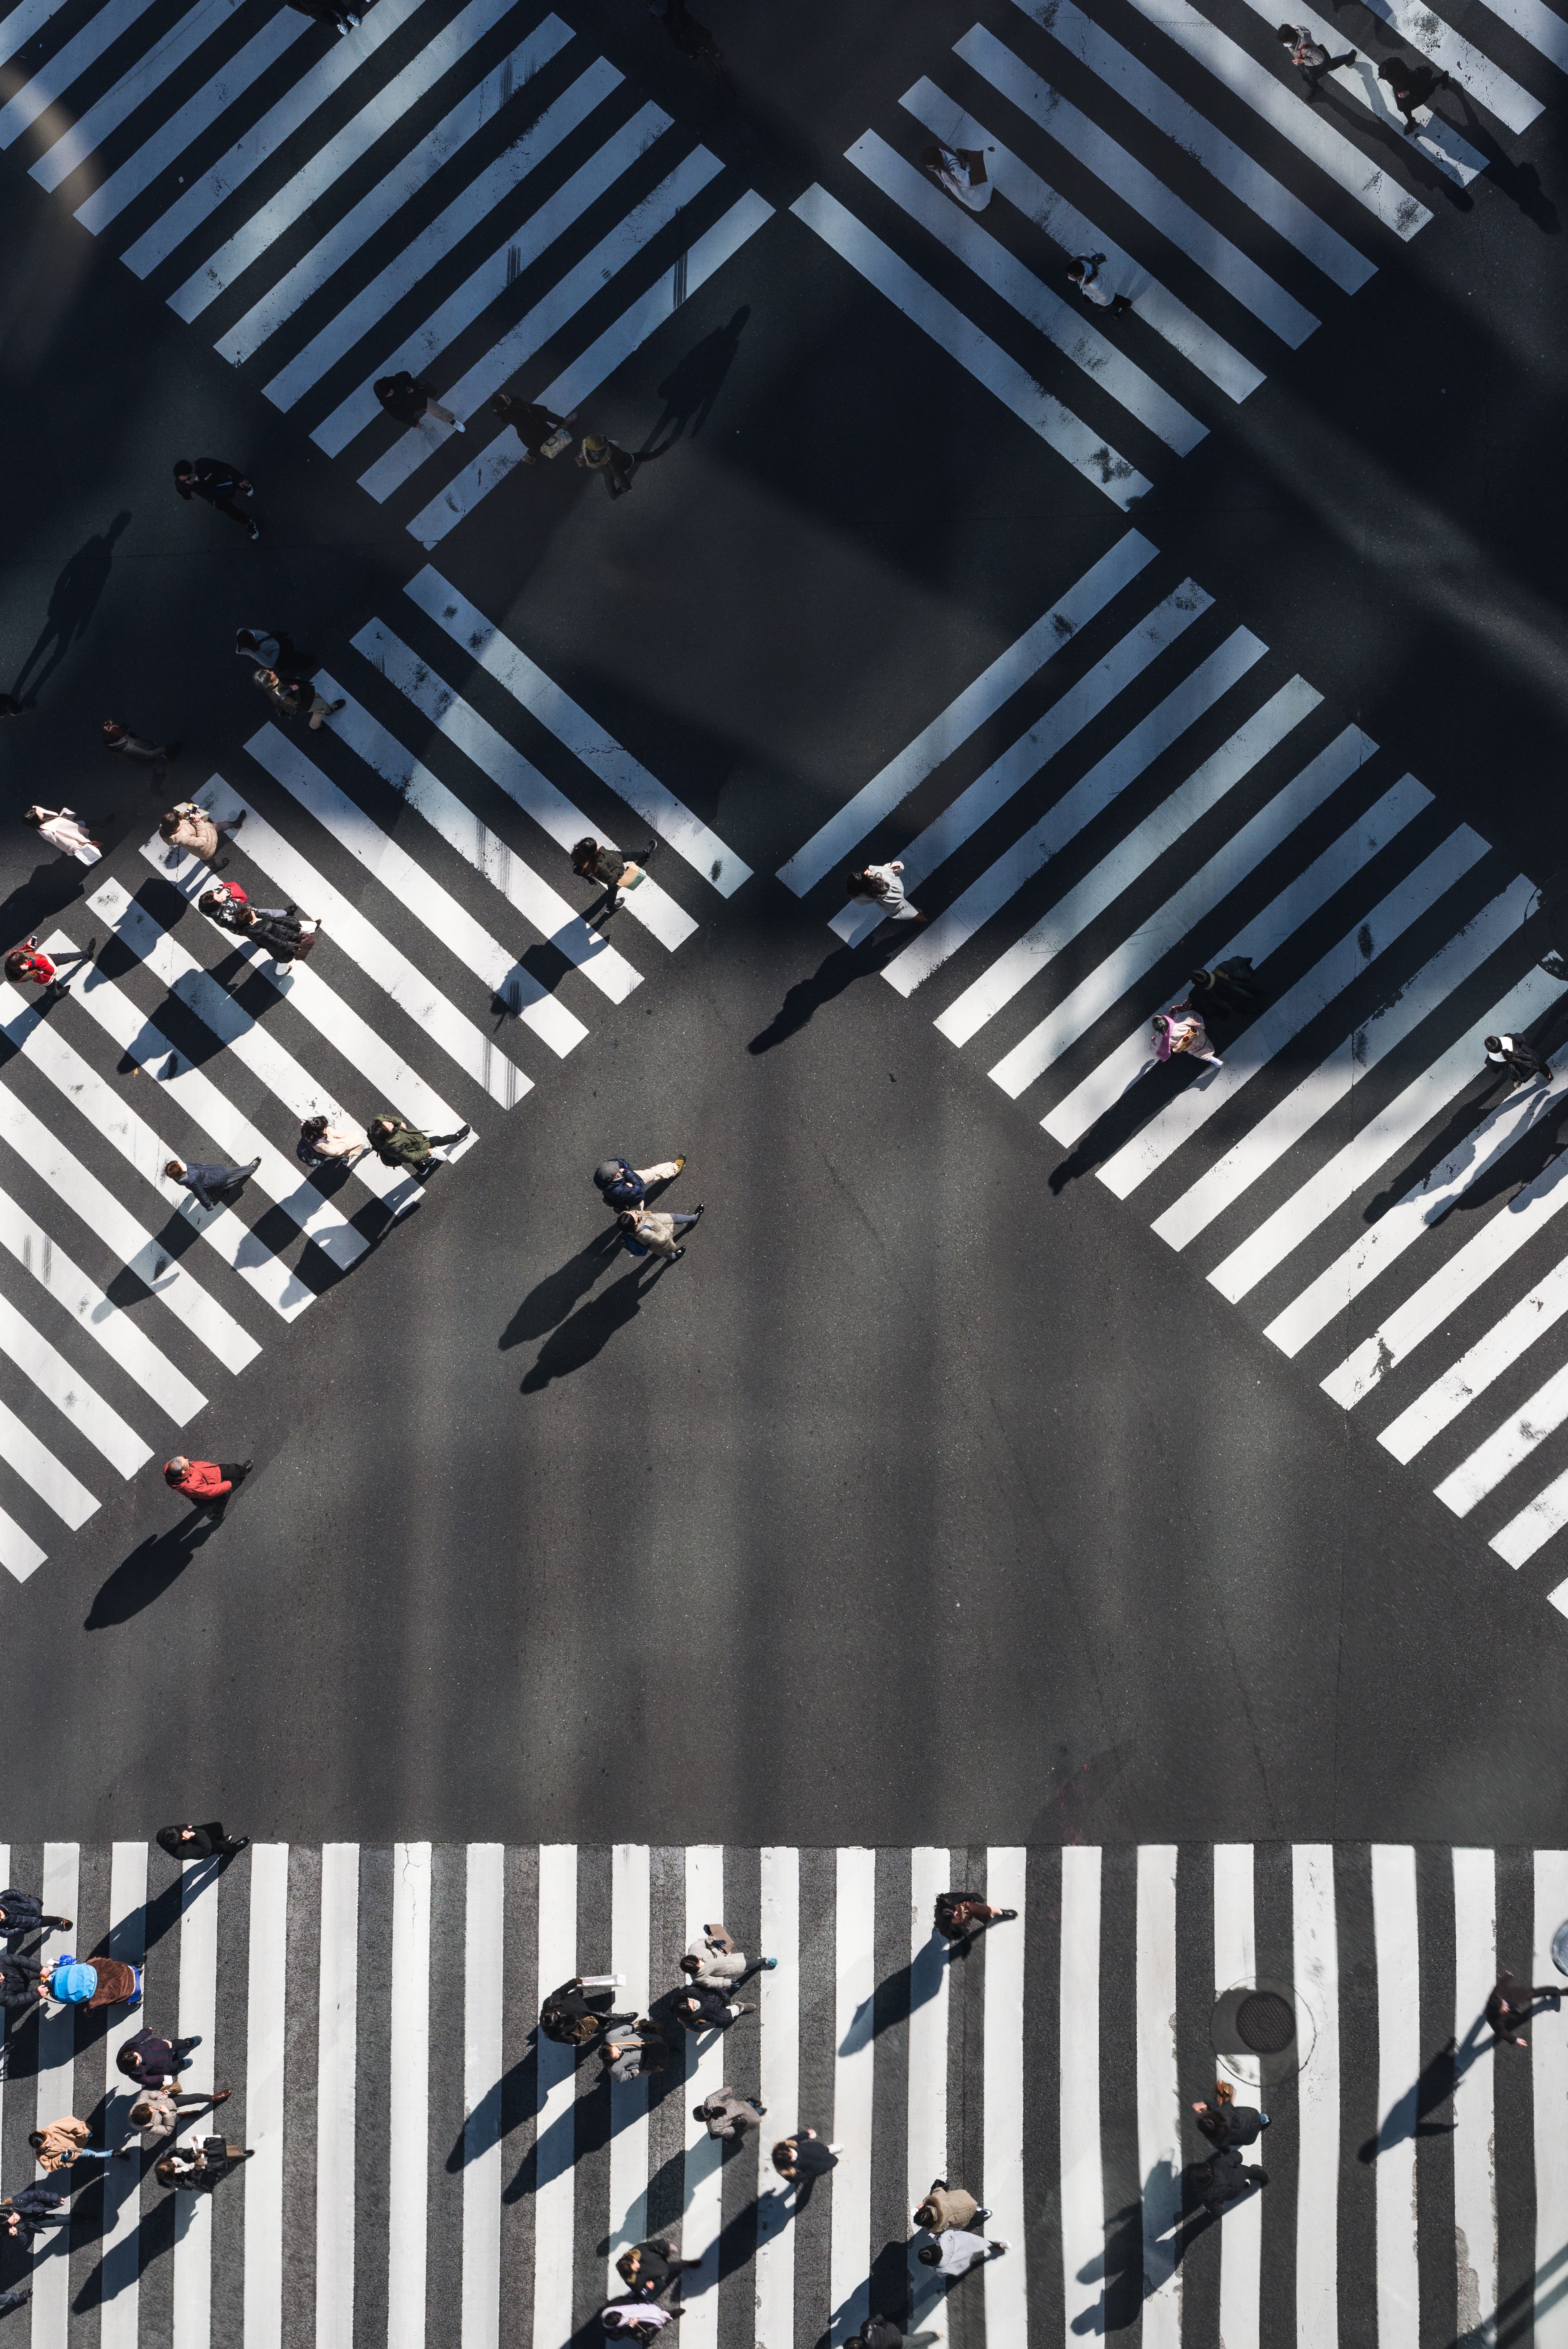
[[1002, 1460]]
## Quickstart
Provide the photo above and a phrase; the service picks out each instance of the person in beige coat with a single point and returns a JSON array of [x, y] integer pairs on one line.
[[158, 2112], [948, 2206], [187, 826], [644, 1232], [59, 2142], [714, 1957], [727, 2114]]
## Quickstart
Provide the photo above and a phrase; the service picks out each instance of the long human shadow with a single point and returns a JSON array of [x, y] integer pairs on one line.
[[588, 1332], [1437, 2083], [694, 382], [547, 1306], [1392, 138], [896, 1998], [807, 997], [1519, 183], [72, 603], [153, 1565]]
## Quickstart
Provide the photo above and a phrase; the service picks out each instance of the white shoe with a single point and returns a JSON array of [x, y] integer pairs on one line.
[[458, 427]]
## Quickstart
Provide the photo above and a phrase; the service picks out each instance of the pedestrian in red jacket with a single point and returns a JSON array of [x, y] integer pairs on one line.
[[206, 1483], [28, 964]]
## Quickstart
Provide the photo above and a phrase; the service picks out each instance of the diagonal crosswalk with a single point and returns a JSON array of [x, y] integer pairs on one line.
[[527, 221], [1228, 213], [423, 2165], [122, 1298], [1110, 808]]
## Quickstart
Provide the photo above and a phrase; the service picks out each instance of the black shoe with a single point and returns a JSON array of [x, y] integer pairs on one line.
[[1004, 1917], [464, 1131], [675, 1254], [235, 1843], [218, 863], [697, 1209]]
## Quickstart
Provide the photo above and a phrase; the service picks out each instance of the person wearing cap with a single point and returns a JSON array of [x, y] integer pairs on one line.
[[63, 829], [155, 2063], [616, 875], [206, 1483], [620, 1184], [1524, 1064], [406, 1150], [138, 750], [608, 457], [60, 2143], [94, 1981]]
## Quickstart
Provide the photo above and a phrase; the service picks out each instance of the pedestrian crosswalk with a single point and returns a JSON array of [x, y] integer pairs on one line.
[[1230, 214], [469, 194], [454, 964], [423, 2166], [1139, 787]]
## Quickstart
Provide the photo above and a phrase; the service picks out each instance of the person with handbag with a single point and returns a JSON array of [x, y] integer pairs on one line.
[[406, 1150], [1182, 1030], [542, 432], [295, 696], [644, 1232], [616, 875]]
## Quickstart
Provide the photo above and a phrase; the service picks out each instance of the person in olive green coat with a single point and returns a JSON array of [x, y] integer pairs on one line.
[[400, 1145]]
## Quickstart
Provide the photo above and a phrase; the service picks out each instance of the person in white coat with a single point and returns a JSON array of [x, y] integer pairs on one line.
[[883, 885], [63, 828], [962, 172]]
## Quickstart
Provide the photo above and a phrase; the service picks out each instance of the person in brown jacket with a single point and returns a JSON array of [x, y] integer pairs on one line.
[[187, 826], [948, 2206], [959, 1915], [59, 2142]]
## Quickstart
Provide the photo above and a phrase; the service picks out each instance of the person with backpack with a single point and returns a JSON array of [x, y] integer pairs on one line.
[[959, 1915], [1224, 2122], [621, 1185]]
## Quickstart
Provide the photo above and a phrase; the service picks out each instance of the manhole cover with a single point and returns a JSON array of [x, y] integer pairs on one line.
[[1265, 2022]]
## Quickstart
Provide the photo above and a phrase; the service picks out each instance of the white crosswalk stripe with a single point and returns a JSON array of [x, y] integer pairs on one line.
[[1071, 892], [603, 256], [179, 1039]]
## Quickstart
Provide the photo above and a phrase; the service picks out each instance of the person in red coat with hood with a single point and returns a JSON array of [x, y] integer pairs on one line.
[[206, 1483]]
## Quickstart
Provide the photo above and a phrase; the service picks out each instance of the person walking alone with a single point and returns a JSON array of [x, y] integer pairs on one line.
[[282, 929], [138, 750], [1310, 58], [956, 2251], [1228, 988], [22, 1912], [186, 825], [155, 2063], [273, 648], [1524, 1064], [211, 1186], [1410, 88], [1084, 277], [961, 173], [725, 2114], [959, 1915], [881, 885], [294, 696], [406, 1150], [405, 397], [1224, 2122], [220, 484], [802, 2160], [535, 426], [63, 830], [882, 2333], [207, 1485], [201, 1843], [200, 2168], [59, 2143], [616, 875], [1508, 2007], [28, 966], [1182, 1030]]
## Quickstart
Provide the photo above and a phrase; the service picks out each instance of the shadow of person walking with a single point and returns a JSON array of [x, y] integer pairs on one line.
[[71, 607], [694, 382], [149, 1570], [839, 970], [546, 1307], [587, 1333]]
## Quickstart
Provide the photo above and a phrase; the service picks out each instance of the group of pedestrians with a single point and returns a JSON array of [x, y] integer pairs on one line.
[[543, 435], [151, 2063], [582, 2014]]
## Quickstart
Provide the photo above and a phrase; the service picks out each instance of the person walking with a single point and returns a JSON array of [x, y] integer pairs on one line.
[[542, 432], [648, 2268], [22, 1912], [220, 484], [626, 2058], [96, 1982], [617, 875], [155, 2063], [36, 2206], [1409, 88], [713, 1956], [139, 751], [879, 885], [802, 2160], [1225, 2179], [209, 1842], [882, 2333], [1524, 1064], [211, 1186], [18, 2297], [60, 2143], [961, 170], [959, 1915], [281, 929], [322, 1143], [947, 2206], [157, 2113], [206, 1483], [326, 12], [28, 966], [295, 696], [572, 2018], [1508, 2007], [1310, 58], [273, 648], [621, 1185], [1228, 988], [616, 465], [647, 1232], [703, 2008], [19, 1984], [186, 825], [635, 2319], [198, 2167], [725, 2114], [405, 397], [405, 1149], [1182, 1030], [1084, 277], [956, 2251], [63, 829], [1224, 2122]]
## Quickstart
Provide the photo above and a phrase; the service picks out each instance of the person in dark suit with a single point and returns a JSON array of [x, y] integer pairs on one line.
[[533, 425], [1225, 2179], [200, 1843], [219, 483]]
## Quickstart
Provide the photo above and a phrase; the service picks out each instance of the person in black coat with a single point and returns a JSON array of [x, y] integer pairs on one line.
[[1524, 1064], [1225, 2179], [198, 1843], [703, 2008], [152, 2062], [219, 483], [802, 2160], [1509, 2006], [22, 1912], [572, 2020], [647, 2267], [1224, 2122], [34, 2207], [533, 425], [407, 398], [19, 1991]]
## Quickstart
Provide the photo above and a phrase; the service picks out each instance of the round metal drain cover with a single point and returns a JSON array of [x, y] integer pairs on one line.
[[1265, 2022]]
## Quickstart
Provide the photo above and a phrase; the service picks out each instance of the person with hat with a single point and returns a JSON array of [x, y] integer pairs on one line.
[[621, 1185], [616, 875], [60, 2143], [62, 829], [205, 1482], [403, 1148], [534, 426], [155, 2063], [324, 1143], [1228, 988], [96, 1982], [608, 457], [138, 750], [28, 966]]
